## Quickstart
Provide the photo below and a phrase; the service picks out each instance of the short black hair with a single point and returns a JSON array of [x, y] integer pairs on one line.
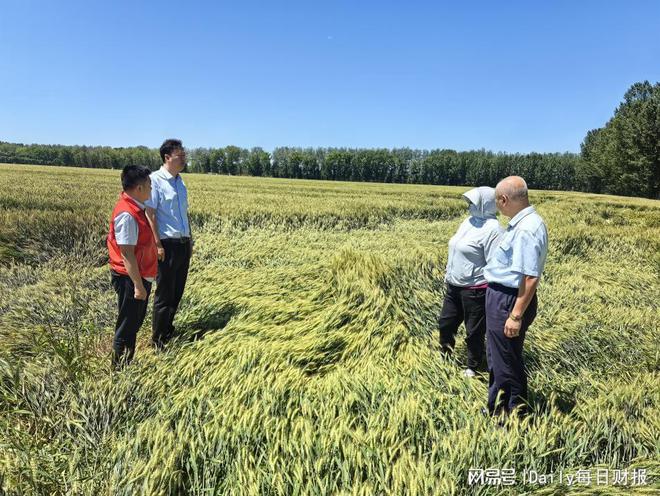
[[134, 175], [168, 146]]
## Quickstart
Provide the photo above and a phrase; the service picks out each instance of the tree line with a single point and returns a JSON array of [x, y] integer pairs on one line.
[[623, 158], [403, 165], [97, 157]]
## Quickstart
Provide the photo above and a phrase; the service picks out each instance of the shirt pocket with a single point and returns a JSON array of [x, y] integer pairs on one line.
[[168, 195], [504, 252]]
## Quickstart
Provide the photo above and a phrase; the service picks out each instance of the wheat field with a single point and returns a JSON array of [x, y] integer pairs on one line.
[[307, 359]]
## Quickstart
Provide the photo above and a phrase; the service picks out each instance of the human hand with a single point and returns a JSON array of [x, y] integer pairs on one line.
[[161, 252], [140, 292], [512, 328]]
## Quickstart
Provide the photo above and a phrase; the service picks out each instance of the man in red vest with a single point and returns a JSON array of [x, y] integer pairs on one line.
[[133, 260]]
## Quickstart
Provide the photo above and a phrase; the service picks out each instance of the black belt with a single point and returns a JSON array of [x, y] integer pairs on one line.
[[175, 240]]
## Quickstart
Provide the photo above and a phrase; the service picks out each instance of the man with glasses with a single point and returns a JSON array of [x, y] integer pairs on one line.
[[513, 272], [167, 212]]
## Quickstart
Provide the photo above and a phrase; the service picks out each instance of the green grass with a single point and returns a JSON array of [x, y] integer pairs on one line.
[[308, 359]]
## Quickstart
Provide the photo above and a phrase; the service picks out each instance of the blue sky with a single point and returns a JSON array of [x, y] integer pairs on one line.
[[506, 76]]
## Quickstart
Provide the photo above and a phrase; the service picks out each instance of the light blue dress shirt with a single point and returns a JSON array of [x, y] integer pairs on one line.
[[522, 250], [169, 198]]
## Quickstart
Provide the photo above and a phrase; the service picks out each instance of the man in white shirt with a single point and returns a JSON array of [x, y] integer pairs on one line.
[[167, 211], [513, 273]]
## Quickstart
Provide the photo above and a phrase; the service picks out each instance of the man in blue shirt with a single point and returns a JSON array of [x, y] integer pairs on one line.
[[167, 212], [513, 272]]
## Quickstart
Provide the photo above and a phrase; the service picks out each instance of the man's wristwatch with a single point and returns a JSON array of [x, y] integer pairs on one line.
[[515, 318]]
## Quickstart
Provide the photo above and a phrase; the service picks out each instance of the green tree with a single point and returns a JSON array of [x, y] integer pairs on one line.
[[258, 162], [624, 156]]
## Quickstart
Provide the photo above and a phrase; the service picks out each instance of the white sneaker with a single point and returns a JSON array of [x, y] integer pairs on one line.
[[469, 373]]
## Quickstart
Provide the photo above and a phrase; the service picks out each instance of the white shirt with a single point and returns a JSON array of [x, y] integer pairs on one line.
[[126, 229], [469, 250], [474, 241], [169, 198], [521, 251]]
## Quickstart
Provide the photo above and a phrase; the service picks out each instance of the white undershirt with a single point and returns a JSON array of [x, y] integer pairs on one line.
[[126, 232]]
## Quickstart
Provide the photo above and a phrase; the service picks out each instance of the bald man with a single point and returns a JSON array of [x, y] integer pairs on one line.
[[513, 272]]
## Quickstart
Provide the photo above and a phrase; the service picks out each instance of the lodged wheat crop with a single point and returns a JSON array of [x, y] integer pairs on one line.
[[307, 358]]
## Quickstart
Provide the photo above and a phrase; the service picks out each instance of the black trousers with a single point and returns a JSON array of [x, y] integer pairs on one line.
[[170, 283], [469, 306], [507, 383], [130, 318]]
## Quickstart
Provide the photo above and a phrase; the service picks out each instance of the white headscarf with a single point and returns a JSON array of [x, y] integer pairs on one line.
[[482, 202]]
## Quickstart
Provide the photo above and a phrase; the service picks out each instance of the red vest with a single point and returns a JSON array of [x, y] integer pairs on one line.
[[146, 253]]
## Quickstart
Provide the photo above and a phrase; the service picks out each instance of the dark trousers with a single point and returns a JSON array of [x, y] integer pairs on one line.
[[469, 306], [170, 283], [130, 318], [506, 367]]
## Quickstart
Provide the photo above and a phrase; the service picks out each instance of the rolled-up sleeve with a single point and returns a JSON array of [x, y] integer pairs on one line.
[[526, 254]]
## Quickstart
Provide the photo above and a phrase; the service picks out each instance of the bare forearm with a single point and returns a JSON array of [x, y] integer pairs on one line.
[[130, 262], [153, 223], [526, 292]]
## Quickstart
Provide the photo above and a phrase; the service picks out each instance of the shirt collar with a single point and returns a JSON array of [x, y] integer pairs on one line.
[[166, 173], [130, 198], [521, 215]]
